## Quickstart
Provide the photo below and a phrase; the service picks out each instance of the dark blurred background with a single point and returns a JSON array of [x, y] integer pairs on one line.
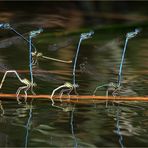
[[73, 14]]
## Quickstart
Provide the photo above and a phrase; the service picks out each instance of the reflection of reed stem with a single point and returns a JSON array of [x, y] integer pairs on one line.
[[72, 128], [118, 128], [28, 125]]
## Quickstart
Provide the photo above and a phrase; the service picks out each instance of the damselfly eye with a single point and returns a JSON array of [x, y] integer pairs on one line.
[[132, 34], [86, 35], [35, 33], [5, 26]]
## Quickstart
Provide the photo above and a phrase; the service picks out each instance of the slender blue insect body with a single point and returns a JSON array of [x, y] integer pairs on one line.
[[31, 35], [75, 62], [4, 26], [121, 64], [128, 36], [82, 37], [30, 59]]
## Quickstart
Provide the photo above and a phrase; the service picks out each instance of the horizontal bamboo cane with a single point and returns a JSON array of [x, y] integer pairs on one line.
[[78, 99]]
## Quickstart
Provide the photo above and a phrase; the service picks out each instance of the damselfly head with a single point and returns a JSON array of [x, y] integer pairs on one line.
[[4, 26], [35, 33], [133, 34], [86, 35]]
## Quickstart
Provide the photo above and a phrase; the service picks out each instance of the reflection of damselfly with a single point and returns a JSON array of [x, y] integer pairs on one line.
[[118, 130]]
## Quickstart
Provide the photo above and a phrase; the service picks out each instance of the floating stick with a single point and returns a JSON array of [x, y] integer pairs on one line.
[[82, 98]]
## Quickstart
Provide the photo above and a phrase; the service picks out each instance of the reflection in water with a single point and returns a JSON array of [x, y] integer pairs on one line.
[[72, 127], [10, 41], [98, 129], [118, 126], [28, 125], [61, 44], [2, 109]]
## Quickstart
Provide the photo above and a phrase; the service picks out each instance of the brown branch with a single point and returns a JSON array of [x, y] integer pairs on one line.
[[80, 98]]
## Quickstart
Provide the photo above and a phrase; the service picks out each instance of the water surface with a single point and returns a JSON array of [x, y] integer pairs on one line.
[[37, 123]]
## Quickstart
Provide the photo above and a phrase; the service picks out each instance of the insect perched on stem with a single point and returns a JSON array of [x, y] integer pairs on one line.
[[32, 34], [32, 55], [27, 83], [69, 87], [114, 88], [23, 81]]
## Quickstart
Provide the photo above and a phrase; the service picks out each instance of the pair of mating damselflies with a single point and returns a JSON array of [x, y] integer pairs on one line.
[[29, 84], [115, 87]]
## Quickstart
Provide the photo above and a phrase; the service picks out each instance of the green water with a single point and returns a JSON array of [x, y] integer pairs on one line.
[[37, 123]]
